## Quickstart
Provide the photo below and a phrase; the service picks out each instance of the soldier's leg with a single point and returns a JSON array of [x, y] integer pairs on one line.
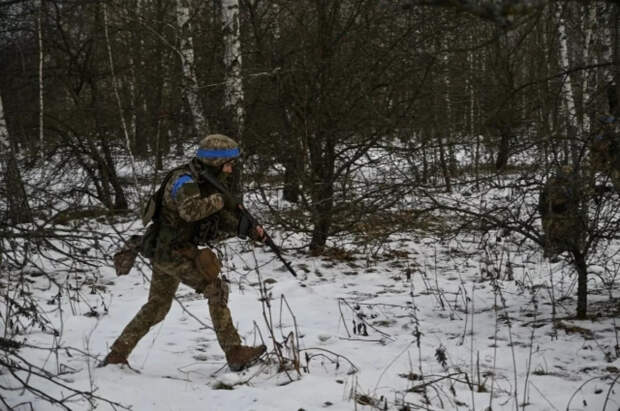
[[615, 176], [204, 277], [553, 238], [161, 294], [217, 295]]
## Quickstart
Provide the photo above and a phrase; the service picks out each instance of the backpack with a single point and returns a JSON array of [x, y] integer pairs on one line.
[[150, 218], [146, 244]]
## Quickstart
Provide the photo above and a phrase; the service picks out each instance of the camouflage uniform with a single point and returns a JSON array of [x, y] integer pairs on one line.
[[563, 218], [605, 151], [192, 212]]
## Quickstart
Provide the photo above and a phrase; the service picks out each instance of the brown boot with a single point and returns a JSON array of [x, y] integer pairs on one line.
[[113, 358], [242, 356]]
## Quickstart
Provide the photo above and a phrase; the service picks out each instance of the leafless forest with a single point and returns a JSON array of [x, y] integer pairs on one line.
[[357, 119]]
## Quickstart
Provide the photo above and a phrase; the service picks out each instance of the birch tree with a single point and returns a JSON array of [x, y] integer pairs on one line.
[[589, 21], [233, 93], [573, 129], [188, 65]]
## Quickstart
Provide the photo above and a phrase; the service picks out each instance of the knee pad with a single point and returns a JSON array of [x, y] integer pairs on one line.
[[207, 264]]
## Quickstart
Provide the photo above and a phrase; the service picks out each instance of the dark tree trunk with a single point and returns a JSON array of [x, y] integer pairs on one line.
[[291, 191], [18, 207], [503, 150], [17, 199], [444, 164], [322, 158], [425, 166], [120, 200], [582, 285], [322, 216], [104, 163]]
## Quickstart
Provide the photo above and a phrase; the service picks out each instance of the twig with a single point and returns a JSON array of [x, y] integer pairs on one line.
[[342, 317], [611, 386], [579, 389], [332, 353], [366, 322], [417, 388], [392, 362]]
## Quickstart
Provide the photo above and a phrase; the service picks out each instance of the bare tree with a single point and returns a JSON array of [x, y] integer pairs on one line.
[[41, 85], [233, 59], [188, 64], [18, 208]]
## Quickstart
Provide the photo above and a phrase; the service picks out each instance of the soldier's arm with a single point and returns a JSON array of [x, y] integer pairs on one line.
[[230, 217], [229, 224], [184, 193], [229, 221]]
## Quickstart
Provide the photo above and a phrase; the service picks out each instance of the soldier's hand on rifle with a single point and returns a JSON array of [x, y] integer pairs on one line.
[[259, 233]]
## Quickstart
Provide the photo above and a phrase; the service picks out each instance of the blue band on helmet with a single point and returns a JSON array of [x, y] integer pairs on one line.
[[608, 119], [224, 153], [185, 178]]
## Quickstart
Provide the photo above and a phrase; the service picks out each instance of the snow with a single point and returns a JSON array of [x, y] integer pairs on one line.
[[423, 298]]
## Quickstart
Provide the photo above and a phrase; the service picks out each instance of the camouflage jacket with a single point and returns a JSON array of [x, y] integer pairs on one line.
[[561, 195], [190, 215]]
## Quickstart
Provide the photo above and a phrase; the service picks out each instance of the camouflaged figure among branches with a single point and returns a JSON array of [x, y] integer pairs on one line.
[[605, 150], [185, 211], [186, 206], [564, 220], [192, 212]]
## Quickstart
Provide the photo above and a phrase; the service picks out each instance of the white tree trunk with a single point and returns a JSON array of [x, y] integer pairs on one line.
[[232, 62], [608, 41], [567, 86], [275, 8], [589, 21], [41, 106], [470, 91], [446, 83], [545, 114], [4, 132], [190, 80]]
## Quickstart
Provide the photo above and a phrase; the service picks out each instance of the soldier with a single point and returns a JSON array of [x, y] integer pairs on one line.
[[563, 218], [605, 151], [188, 211]]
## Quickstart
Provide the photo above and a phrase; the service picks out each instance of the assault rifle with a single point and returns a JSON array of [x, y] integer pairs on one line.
[[246, 221]]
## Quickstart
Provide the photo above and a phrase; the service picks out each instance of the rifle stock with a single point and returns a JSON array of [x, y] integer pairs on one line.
[[252, 222]]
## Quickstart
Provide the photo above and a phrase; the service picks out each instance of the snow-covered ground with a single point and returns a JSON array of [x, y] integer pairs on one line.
[[424, 325]]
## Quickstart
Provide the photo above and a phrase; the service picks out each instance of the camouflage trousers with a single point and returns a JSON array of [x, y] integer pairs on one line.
[[562, 233], [615, 178], [198, 269]]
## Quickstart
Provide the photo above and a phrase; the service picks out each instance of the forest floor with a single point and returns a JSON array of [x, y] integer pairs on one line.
[[422, 323]]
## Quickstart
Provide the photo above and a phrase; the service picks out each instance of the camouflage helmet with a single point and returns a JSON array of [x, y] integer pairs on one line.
[[217, 149]]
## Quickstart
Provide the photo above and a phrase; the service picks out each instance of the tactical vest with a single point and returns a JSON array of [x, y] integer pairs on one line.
[[168, 230]]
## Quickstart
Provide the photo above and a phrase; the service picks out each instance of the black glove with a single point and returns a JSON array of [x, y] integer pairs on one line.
[[244, 227]]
